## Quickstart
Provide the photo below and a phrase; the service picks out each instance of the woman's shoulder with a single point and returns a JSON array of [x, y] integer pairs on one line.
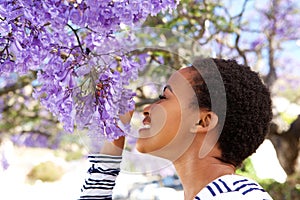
[[233, 187]]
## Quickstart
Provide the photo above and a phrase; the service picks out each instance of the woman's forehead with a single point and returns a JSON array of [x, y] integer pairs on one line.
[[180, 82], [182, 75]]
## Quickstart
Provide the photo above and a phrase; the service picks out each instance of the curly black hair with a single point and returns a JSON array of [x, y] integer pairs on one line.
[[248, 106]]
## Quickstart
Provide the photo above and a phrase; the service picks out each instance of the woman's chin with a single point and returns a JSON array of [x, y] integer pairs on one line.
[[140, 146]]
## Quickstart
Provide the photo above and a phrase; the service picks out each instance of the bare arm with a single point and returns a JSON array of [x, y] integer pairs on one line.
[[104, 168], [115, 148]]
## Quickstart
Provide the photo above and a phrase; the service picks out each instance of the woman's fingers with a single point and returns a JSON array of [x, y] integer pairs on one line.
[[125, 119], [116, 147]]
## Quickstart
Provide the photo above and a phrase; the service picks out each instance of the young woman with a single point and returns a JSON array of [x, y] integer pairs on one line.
[[210, 117]]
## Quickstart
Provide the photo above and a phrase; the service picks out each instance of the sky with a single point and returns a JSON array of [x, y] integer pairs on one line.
[[290, 50]]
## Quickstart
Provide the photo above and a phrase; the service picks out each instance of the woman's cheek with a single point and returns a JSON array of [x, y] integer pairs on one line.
[[159, 119]]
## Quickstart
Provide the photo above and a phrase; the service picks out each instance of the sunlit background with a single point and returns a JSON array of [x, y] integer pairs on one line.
[[39, 160]]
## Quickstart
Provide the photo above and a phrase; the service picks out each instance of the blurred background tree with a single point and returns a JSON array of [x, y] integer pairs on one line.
[[262, 34]]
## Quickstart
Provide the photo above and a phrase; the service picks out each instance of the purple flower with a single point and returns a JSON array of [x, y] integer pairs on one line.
[[30, 140], [4, 161], [256, 43], [75, 16], [82, 69]]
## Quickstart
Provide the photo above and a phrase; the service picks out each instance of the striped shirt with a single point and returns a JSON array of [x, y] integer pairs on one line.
[[104, 169], [101, 177], [229, 187]]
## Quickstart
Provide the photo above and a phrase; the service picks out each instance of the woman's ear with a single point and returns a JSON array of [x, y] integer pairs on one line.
[[211, 134], [208, 121]]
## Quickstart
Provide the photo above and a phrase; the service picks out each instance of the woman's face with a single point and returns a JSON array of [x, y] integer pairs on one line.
[[168, 121]]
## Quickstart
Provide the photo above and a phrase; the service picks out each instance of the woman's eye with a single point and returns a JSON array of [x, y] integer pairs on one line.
[[161, 97]]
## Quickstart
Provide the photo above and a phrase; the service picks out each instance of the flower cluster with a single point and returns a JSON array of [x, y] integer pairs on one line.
[[82, 68]]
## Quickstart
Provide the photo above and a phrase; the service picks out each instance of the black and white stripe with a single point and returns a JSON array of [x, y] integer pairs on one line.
[[104, 169], [245, 186], [233, 187], [101, 177]]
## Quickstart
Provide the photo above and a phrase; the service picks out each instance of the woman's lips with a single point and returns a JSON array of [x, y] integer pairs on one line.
[[147, 120]]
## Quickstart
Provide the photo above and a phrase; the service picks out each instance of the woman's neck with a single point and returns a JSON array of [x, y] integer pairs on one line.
[[196, 173]]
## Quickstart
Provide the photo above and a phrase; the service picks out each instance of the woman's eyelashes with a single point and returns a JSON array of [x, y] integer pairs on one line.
[[162, 97], [165, 91]]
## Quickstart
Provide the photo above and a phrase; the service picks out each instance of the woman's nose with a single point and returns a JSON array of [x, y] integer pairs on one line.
[[146, 110]]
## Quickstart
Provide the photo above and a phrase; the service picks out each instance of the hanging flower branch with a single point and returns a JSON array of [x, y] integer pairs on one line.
[[82, 68]]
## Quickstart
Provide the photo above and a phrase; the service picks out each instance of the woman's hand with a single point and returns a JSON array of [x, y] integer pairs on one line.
[[115, 147]]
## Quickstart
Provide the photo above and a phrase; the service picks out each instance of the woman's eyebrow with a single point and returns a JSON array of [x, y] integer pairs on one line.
[[169, 87]]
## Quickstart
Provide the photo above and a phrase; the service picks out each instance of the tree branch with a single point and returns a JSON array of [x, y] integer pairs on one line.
[[77, 37], [241, 53], [142, 102], [286, 145]]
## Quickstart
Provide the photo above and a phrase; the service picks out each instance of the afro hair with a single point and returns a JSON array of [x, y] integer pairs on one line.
[[248, 106]]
